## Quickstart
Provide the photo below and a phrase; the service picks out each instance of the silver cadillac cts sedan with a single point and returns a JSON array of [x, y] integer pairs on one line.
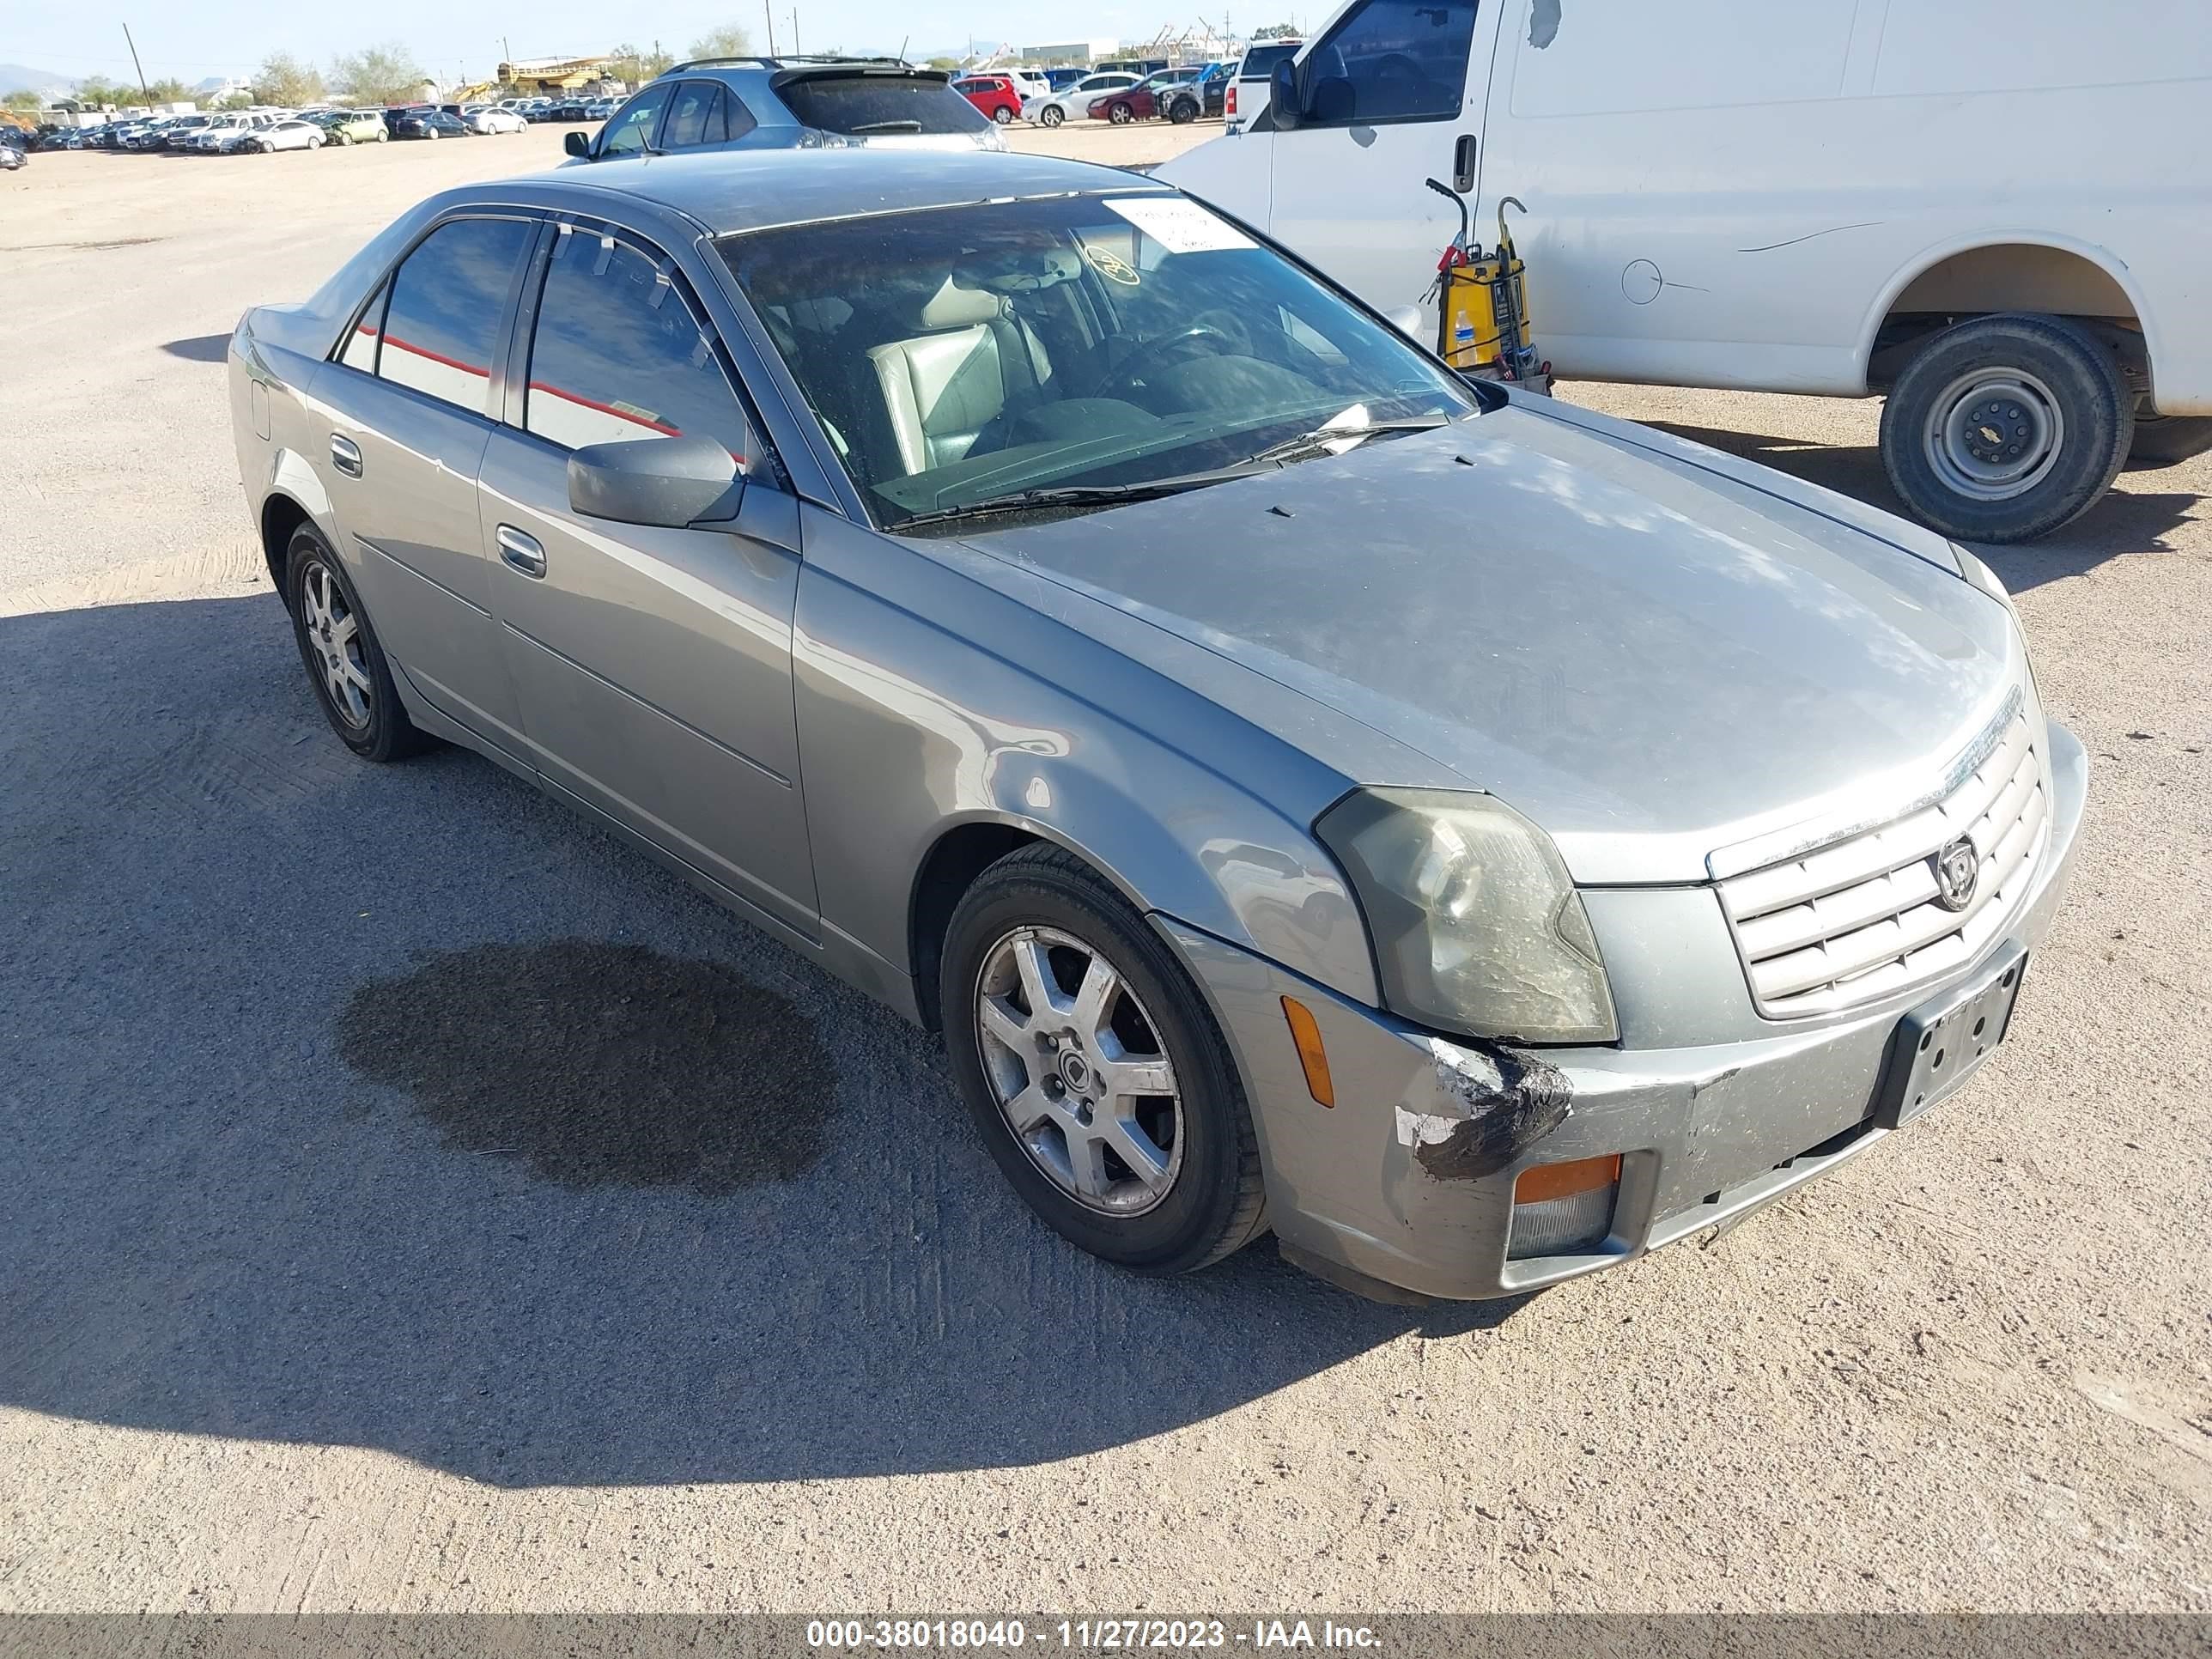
[[1477, 840]]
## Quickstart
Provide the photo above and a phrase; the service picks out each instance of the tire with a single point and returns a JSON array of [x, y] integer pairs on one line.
[[1200, 1197], [1051, 116], [1182, 112], [1945, 441], [383, 137], [1003, 116], [2165, 439], [317, 593], [1120, 114]]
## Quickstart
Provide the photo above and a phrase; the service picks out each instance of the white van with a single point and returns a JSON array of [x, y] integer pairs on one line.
[[2001, 220]]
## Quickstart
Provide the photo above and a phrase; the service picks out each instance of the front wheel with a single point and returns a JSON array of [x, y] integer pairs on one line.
[[1182, 113], [1094, 1070], [1120, 114], [1051, 116], [2006, 427], [352, 680]]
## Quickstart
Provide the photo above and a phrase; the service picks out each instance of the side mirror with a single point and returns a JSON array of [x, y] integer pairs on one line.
[[1407, 319], [669, 482], [1283, 97], [577, 142]]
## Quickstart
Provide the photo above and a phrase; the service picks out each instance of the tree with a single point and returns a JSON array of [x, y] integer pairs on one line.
[[728, 41], [27, 100], [237, 100], [947, 63], [626, 63], [379, 75], [97, 90], [1274, 31], [284, 80]]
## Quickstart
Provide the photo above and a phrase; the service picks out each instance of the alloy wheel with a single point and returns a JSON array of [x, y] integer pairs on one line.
[[1078, 1067], [333, 634]]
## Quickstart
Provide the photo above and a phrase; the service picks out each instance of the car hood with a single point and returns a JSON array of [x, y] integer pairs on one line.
[[1652, 656]]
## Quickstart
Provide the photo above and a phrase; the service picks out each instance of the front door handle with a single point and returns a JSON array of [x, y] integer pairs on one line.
[[345, 455], [1464, 155], [521, 551]]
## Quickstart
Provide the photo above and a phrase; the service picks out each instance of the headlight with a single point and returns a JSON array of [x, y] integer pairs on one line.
[[1476, 926]]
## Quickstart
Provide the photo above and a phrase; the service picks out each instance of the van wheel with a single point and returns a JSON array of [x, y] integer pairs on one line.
[[2164, 440], [1051, 116], [1094, 1069], [2006, 427]]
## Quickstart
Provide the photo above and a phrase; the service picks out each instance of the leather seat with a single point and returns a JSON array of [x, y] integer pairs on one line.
[[955, 375]]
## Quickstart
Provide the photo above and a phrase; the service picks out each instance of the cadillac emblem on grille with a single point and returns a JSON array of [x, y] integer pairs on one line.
[[1957, 867]]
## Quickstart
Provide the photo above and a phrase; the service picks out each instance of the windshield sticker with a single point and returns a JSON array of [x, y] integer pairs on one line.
[[1177, 224], [1111, 265]]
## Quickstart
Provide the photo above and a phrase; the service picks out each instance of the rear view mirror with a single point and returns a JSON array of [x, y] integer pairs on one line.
[[1283, 96], [576, 143], [668, 482]]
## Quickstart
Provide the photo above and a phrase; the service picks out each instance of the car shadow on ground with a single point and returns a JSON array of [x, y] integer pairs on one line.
[[2125, 521], [396, 1107], [201, 349]]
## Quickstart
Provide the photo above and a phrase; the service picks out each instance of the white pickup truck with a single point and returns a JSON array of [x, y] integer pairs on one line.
[[2000, 219]]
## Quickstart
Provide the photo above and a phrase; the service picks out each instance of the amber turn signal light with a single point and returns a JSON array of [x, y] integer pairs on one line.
[[1305, 1032], [1581, 1175]]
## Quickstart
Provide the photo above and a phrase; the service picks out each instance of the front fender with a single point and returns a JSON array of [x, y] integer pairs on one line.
[[931, 698]]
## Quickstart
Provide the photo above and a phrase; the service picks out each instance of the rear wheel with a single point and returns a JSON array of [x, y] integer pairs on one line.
[[2005, 428], [1094, 1070], [352, 680], [1003, 116], [2164, 440], [1051, 116]]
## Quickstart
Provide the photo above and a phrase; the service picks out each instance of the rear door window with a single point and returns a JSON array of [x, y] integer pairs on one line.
[[620, 353], [695, 116], [880, 106], [441, 329]]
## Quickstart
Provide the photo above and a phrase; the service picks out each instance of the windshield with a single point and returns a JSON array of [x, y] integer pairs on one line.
[[959, 356], [870, 105]]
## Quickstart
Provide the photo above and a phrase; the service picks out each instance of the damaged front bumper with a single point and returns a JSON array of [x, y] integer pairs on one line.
[[1407, 1184]]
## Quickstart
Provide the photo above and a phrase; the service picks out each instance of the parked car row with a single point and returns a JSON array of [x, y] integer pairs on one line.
[[1181, 95]]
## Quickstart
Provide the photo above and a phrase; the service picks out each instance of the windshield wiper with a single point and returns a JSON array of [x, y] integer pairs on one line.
[[1321, 436], [1053, 495], [884, 126]]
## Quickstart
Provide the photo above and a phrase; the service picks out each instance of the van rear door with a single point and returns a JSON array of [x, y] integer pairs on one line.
[[1392, 93]]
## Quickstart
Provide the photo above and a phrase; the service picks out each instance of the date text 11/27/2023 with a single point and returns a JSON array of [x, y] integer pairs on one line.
[[1087, 1635]]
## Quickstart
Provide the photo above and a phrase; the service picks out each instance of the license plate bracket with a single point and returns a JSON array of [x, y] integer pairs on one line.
[[1939, 1045]]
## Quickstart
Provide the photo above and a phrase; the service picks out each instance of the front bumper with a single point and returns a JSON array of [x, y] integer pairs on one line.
[[1407, 1182]]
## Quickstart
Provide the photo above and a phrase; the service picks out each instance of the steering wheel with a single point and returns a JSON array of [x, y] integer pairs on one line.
[[1401, 81], [1126, 373]]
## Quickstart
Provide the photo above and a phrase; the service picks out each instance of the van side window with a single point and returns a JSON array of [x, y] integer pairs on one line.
[[1392, 60]]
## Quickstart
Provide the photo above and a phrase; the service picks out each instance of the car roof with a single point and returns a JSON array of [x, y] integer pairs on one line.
[[732, 190]]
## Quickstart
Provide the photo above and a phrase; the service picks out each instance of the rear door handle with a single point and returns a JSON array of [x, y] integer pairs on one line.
[[521, 551], [345, 455], [1464, 155]]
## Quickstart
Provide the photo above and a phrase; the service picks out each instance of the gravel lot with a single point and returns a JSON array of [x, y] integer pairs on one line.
[[341, 1275]]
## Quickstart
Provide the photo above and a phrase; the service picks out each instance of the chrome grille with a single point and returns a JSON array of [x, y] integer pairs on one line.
[[1856, 921]]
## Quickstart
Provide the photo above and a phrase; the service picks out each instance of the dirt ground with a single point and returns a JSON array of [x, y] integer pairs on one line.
[[293, 1319]]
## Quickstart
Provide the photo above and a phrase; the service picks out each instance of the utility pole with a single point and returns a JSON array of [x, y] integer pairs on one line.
[[505, 56], [770, 15], [141, 68], [794, 32]]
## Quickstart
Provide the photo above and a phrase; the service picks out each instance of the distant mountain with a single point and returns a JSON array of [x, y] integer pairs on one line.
[[21, 77]]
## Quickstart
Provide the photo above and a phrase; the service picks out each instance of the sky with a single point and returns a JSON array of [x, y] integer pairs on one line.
[[192, 40]]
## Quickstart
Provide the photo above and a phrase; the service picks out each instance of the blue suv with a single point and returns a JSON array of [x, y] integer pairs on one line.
[[790, 103]]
